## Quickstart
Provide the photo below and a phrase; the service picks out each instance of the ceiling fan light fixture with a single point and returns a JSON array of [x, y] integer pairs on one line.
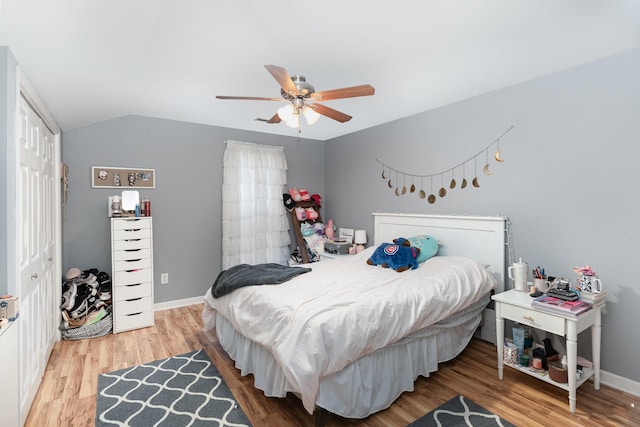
[[311, 115], [294, 121], [286, 113]]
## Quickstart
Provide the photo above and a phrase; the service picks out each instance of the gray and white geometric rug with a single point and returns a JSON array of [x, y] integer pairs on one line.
[[184, 390], [460, 411]]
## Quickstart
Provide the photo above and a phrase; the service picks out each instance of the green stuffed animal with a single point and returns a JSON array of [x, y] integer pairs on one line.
[[428, 247]]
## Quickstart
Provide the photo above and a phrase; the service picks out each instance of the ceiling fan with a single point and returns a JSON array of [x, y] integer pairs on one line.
[[300, 95]]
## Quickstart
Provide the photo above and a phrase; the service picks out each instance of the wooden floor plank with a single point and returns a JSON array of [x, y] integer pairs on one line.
[[67, 395]]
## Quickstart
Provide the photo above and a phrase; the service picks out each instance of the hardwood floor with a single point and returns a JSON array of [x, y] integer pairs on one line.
[[67, 394]]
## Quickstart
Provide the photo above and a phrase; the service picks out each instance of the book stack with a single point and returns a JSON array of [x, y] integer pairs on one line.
[[593, 298], [558, 306]]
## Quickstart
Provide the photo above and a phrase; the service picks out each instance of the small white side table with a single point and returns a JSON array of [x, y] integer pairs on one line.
[[516, 305]]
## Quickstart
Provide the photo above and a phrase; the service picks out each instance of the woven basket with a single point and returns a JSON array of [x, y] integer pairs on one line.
[[102, 327]]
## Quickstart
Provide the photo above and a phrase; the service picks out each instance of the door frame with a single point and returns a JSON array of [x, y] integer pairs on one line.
[[24, 90]]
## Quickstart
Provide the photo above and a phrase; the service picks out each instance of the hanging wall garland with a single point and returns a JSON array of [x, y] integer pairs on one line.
[[388, 171]]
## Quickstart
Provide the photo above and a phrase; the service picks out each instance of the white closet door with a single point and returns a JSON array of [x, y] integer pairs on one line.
[[36, 234], [51, 285]]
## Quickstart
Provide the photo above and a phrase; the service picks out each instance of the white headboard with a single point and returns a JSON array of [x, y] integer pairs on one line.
[[482, 238]]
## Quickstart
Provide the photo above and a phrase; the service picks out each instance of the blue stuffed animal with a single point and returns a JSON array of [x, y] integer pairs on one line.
[[399, 255]]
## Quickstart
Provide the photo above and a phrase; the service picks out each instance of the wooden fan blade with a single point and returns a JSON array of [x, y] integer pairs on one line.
[[347, 92], [274, 119], [330, 112], [283, 79], [249, 98]]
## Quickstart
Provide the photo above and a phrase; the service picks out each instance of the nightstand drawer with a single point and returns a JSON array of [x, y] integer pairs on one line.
[[132, 264], [121, 278], [133, 233], [131, 223], [142, 253], [127, 245], [136, 290], [533, 318], [133, 306], [127, 322]]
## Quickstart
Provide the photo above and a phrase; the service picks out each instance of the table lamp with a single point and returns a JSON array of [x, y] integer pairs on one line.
[[360, 238]]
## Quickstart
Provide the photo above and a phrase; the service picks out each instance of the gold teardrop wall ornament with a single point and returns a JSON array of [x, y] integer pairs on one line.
[[453, 182], [475, 179], [432, 197], [404, 187], [412, 189], [421, 193], [485, 169], [442, 192], [497, 155], [383, 175], [464, 176], [397, 189], [389, 183]]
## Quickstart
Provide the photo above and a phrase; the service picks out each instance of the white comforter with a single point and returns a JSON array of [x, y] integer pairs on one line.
[[319, 322]]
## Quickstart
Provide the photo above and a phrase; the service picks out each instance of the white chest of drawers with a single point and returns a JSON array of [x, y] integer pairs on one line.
[[132, 273]]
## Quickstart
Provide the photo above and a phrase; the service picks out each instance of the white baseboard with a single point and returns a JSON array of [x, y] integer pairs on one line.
[[178, 303], [620, 383]]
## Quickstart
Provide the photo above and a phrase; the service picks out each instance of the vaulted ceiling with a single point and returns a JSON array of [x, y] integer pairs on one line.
[[95, 60]]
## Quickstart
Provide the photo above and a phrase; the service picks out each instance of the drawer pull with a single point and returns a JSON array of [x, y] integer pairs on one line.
[[132, 240], [132, 229], [134, 314], [134, 299], [132, 260], [529, 318], [132, 250], [133, 284]]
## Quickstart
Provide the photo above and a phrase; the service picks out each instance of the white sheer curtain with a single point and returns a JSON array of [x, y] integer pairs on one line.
[[255, 226]]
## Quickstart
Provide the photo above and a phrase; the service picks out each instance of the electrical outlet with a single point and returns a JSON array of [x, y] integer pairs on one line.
[[164, 278]]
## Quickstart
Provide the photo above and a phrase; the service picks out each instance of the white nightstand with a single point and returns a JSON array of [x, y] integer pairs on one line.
[[516, 305]]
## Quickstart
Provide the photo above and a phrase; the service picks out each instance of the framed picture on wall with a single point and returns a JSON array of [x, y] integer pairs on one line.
[[116, 177]]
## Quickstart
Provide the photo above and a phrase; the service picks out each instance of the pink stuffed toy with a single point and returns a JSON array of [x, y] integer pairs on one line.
[[295, 194], [329, 230], [312, 214]]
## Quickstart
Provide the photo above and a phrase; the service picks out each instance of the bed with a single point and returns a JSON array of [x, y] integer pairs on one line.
[[348, 337]]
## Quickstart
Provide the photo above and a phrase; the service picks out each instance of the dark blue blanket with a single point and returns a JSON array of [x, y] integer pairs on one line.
[[242, 275]]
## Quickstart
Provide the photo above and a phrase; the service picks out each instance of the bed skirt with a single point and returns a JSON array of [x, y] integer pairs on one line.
[[367, 385]]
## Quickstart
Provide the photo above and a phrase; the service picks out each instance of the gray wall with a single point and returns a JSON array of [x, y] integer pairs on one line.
[[186, 203], [569, 184]]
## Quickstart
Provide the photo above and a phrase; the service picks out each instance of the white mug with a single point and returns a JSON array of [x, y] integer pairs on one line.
[[590, 284], [541, 285]]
